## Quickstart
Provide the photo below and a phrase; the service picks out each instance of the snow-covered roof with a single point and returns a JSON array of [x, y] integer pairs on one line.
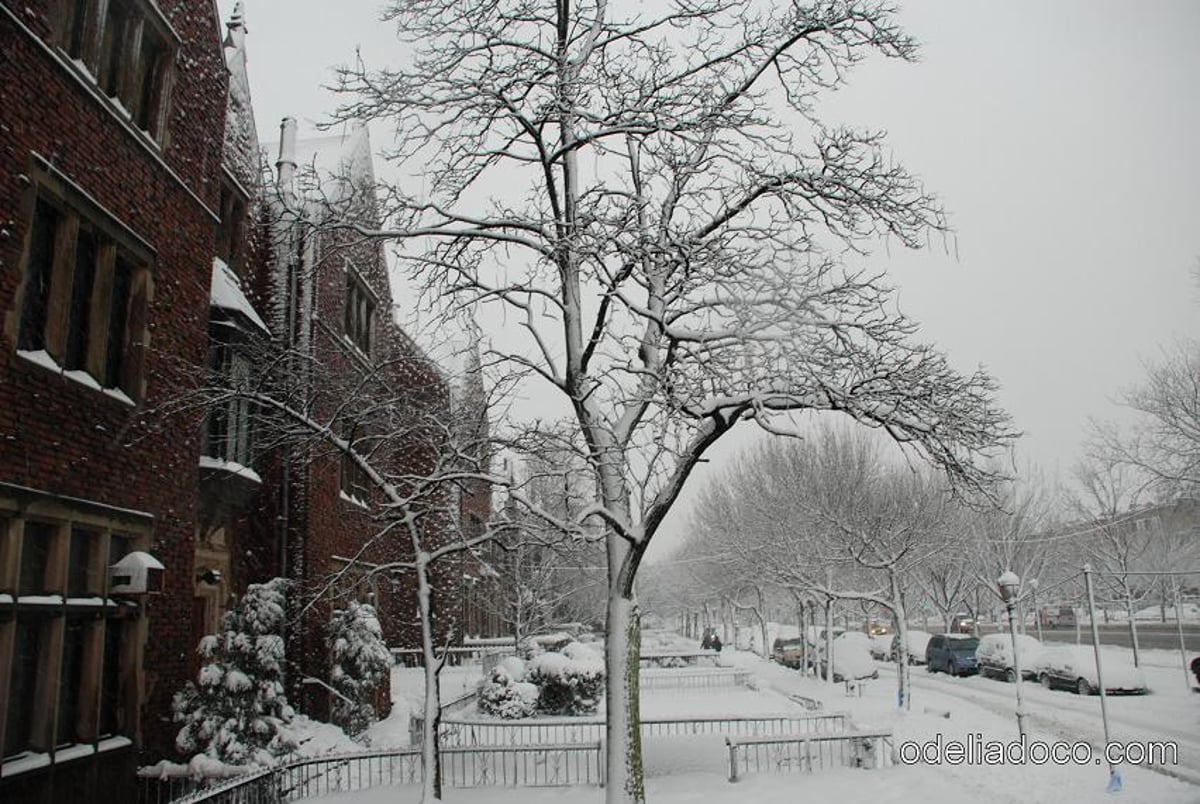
[[226, 293]]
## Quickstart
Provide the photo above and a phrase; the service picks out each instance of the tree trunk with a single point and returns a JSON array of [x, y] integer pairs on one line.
[[803, 636], [903, 669], [431, 757], [1133, 634], [761, 613], [623, 733], [829, 640]]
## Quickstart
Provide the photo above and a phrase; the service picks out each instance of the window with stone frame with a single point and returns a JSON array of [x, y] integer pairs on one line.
[[231, 226], [229, 429], [355, 484], [128, 48], [86, 285], [359, 312], [67, 650]]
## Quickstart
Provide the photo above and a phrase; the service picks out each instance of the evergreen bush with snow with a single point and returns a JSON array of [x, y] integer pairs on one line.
[[360, 659], [234, 712], [569, 683], [505, 693]]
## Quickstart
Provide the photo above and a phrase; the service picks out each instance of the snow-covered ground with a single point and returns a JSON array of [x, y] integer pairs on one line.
[[678, 773]]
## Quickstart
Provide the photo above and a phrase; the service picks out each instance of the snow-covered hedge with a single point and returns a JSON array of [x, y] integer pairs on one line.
[[360, 659], [505, 693], [234, 711], [569, 683]]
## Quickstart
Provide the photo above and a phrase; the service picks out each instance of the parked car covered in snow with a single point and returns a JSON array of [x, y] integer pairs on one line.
[[952, 653], [788, 652], [994, 656], [917, 641], [851, 657], [1073, 667], [881, 647]]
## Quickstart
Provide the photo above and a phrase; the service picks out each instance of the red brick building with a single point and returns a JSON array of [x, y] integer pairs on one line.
[[140, 244], [367, 382], [110, 194]]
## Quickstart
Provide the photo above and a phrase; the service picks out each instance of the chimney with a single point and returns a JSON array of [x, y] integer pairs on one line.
[[286, 166]]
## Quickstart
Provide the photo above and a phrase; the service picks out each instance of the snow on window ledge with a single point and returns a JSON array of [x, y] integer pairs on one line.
[[44, 359], [40, 600], [356, 350], [32, 761], [232, 467], [353, 500], [24, 763]]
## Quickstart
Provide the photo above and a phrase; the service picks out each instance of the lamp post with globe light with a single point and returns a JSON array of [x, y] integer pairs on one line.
[[1010, 585]]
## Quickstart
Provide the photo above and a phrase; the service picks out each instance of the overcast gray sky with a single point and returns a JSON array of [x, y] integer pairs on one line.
[[1063, 137]]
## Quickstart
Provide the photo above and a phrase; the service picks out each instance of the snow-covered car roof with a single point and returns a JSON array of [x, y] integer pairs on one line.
[[1080, 660]]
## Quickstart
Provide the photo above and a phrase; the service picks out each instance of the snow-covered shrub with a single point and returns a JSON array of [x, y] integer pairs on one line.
[[569, 683], [360, 659], [505, 693], [540, 643], [234, 710]]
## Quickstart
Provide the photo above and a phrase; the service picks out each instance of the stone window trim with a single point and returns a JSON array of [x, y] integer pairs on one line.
[[359, 307], [354, 486], [126, 52], [82, 679], [110, 343], [151, 148], [231, 230], [229, 422]]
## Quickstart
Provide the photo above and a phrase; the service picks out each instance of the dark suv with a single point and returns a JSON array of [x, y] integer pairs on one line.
[[953, 653]]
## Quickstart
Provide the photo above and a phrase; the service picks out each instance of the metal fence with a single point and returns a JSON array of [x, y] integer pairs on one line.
[[804, 754], [678, 658], [692, 678], [462, 766], [523, 765], [749, 726], [465, 732]]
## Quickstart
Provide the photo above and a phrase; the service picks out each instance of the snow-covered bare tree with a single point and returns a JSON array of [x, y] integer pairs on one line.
[[540, 574], [651, 198], [830, 517], [1014, 534], [1116, 538], [948, 579], [1163, 442]]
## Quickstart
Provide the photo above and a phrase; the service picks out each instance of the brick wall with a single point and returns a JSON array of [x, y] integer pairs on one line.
[[55, 434]]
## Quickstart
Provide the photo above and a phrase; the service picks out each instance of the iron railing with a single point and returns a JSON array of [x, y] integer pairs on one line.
[[462, 766], [465, 732], [806, 753], [691, 678], [677, 658]]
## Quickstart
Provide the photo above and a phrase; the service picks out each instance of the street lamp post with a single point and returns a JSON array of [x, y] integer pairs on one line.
[[1010, 585]]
